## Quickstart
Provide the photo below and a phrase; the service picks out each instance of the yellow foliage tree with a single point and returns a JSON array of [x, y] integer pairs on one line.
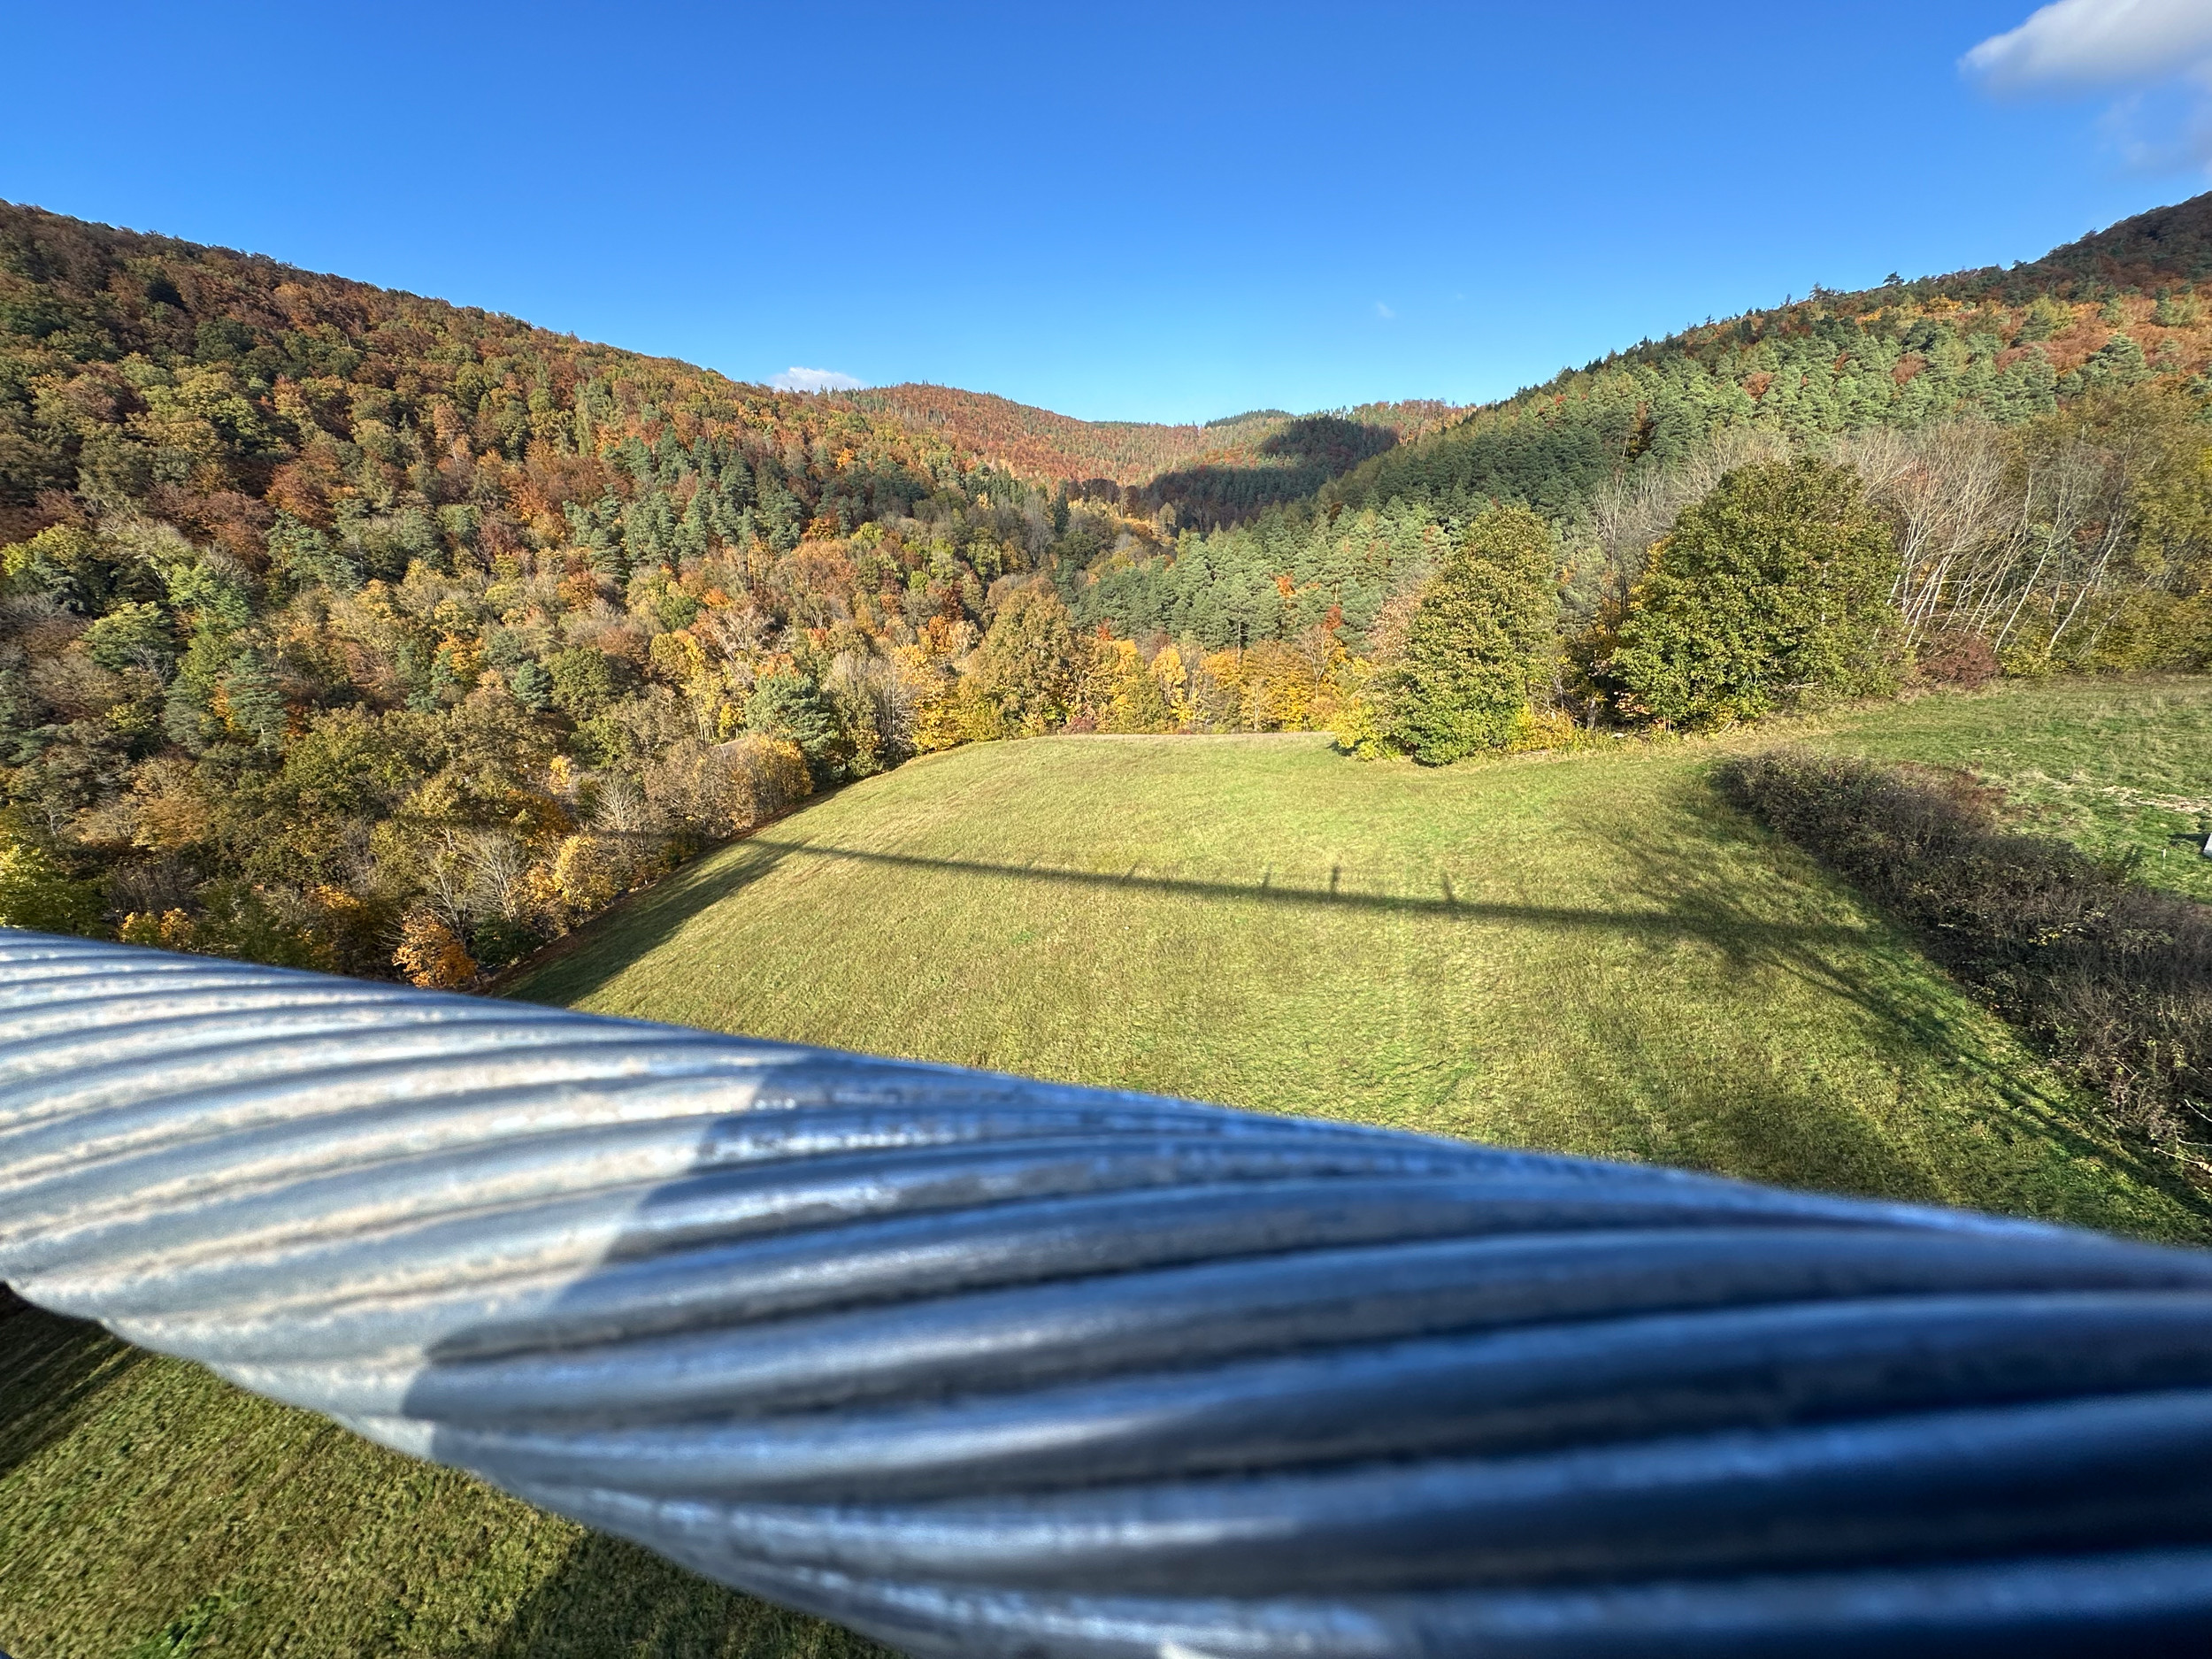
[[171, 930], [589, 872], [1167, 668], [1138, 703], [766, 775], [431, 954]]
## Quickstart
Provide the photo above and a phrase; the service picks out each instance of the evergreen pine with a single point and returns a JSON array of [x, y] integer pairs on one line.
[[1027, 662], [1479, 642]]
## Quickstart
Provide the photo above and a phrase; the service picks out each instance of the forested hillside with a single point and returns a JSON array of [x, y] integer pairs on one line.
[[348, 627], [336, 617], [2113, 310], [1211, 473], [2033, 437]]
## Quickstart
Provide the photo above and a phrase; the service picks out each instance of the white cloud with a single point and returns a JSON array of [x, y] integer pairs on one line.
[[1383, 312], [2156, 54], [2098, 44], [797, 379]]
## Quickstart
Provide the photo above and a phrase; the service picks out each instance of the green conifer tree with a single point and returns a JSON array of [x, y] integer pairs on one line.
[[1027, 662], [790, 705], [1479, 643]]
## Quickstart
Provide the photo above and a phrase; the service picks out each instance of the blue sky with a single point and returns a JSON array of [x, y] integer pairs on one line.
[[1158, 213]]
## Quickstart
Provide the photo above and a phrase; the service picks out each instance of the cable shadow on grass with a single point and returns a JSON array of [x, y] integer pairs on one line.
[[1716, 928], [610, 1599], [53, 1378], [593, 957], [1695, 903], [1885, 974]]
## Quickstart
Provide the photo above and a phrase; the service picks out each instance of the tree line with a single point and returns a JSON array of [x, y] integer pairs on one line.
[[345, 629]]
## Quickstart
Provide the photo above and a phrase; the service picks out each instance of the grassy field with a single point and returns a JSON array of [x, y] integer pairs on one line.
[[2122, 770], [148, 1511], [1588, 953]]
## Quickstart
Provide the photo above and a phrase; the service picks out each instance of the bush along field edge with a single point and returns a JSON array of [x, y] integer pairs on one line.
[[2111, 978]]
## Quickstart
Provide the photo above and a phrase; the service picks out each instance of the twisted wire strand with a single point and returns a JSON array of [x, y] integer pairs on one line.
[[981, 1365]]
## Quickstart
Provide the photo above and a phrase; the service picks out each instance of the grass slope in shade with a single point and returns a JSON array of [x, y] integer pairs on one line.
[[1589, 954], [148, 1511]]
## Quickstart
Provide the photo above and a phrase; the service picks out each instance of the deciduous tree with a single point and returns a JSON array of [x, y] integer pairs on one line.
[[1772, 591]]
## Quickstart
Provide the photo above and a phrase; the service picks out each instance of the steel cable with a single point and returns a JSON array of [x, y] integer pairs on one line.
[[981, 1365]]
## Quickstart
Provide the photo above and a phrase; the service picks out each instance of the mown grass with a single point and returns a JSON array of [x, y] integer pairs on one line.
[[148, 1511], [1591, 953]]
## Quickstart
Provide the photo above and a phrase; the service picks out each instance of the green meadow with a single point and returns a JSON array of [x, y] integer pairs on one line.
[[1587, 952], [149, 1511]]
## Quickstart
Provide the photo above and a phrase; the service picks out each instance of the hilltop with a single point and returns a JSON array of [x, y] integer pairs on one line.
[[2113, 309], [1821, 359], [2167, 245]]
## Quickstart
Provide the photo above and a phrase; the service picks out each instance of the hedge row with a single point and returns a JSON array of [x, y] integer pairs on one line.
[[2113, 979]]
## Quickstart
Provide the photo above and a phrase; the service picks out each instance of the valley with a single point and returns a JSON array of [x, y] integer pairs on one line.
[[344, 629]]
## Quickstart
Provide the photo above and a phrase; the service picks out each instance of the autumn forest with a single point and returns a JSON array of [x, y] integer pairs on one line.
[[351, 629]]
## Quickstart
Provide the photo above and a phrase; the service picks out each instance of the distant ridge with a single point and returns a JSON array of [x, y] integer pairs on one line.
[[1210, 473], [1228, 469], [2112, 307], [1039, 444], [2165, 245]]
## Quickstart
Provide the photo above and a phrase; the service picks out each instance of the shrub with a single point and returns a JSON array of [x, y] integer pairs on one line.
[[765, 777], [1772, 591], [726, 788], [1965, 660], [591, 871], [498, 940], [238, 920], [431, 954], [2114, 979]]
